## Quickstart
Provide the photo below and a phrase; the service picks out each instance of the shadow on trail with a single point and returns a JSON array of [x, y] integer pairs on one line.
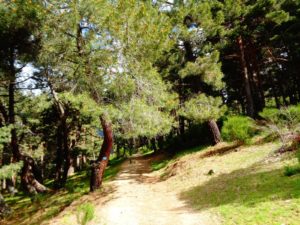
[[138, 168], [244, 187]]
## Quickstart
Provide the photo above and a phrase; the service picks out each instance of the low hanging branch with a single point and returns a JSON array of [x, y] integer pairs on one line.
[[98, 166]]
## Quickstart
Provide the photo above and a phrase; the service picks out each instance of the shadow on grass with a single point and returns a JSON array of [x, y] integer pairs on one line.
[[244, 187], [162, 162], [42, 207]]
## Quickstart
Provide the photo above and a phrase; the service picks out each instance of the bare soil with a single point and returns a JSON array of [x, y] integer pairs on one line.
[[136, 197]]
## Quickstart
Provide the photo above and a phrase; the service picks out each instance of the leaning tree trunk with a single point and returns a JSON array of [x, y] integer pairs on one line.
[[98, 167], [215, 131], [28, 174], [28, 180]]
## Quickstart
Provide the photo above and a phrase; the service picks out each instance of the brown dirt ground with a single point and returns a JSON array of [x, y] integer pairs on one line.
[[136, 197]]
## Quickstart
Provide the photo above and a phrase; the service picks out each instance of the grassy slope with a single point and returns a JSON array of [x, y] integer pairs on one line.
[[45, 206], [247, 185]]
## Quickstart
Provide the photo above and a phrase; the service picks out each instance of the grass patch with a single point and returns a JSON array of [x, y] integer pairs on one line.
[[42, 207], [160, 164], [248, 188], [85, 213], [291, 170], [188, 151]]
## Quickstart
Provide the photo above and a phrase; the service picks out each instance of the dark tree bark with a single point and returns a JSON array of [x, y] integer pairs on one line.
[[63, 157], [215, 131], [59, 157], [153, 144], [66, 153], [160, 142], [98, 167], [29, 170], [118, 151], [11, 118], [249, 98], [28, 174], [256, 80]]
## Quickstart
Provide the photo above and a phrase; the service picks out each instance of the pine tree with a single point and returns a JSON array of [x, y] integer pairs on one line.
[[193, 66], [19, 45], [95, 45]]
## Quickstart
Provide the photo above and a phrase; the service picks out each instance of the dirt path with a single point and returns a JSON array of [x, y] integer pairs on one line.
[[138, 199]]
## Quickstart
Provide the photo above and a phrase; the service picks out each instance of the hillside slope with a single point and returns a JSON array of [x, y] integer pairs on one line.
[[225, 184], [243, 186]]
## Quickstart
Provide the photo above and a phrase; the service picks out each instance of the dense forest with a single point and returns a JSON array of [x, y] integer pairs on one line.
[[83, 82]]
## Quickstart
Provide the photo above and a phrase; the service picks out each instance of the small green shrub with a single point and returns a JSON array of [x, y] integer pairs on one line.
[[85, 213], [159, 165], [283, 122], [284, 117], [291, 170], [271, 115], [238, 128]]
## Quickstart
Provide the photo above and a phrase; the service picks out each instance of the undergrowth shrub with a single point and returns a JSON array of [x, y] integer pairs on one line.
[[85, 213], [238, 128], [295, 169], [291, 170], [284, 122]]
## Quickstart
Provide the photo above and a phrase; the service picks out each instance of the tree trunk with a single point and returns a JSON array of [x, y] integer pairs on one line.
[[215, 131], [28, 174], [11, 117], [67, 154], [153, 144], [118, 151], [98, 167], [28, 181], [249, 98], [253, 65], [59, 157], [63, 157]]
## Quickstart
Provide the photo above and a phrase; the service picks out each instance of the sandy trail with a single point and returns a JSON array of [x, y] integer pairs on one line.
[[139, 199]]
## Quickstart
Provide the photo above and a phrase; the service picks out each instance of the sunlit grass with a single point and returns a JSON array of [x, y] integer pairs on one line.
[[162, 163], [248, 185]]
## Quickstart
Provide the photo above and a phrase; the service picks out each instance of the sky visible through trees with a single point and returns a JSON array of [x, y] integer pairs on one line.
[[156, 75]]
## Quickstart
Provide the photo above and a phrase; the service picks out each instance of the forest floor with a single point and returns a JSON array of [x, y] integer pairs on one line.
[[136, 197], [223, 184]]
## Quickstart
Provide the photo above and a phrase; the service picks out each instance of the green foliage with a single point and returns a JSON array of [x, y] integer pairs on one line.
[[85, 213], [202, 108], [4, 135], [289, 116], [207, 67], [238, 128], [8, 171], [139, 118], [291, 170], [19, 21], [284, 122], [50, 204], [159, 165], [271, 114]]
